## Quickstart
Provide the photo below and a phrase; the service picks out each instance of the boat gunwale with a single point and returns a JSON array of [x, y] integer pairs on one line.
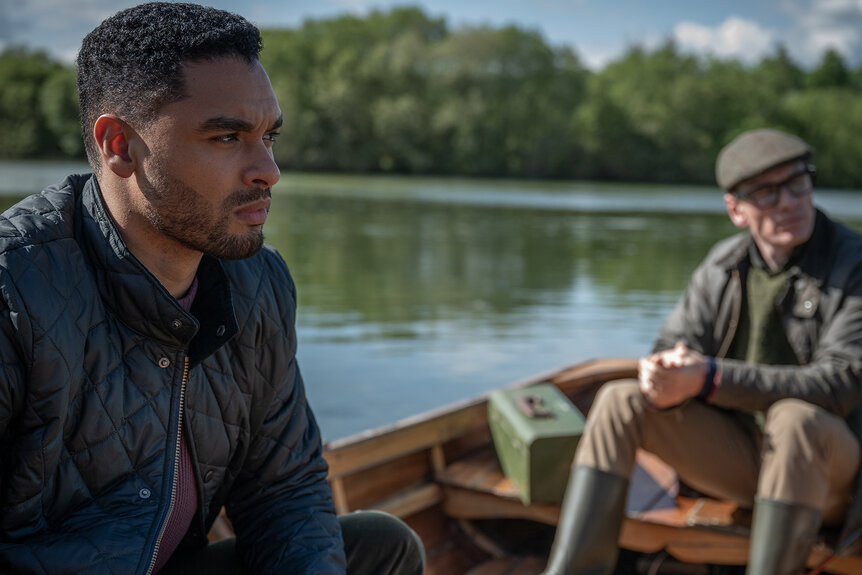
[[367, 449]]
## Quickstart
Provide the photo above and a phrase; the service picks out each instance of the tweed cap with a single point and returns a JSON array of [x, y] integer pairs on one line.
[[755, 152]]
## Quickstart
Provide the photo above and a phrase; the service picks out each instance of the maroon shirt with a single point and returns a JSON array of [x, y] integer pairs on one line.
[[186, 495]]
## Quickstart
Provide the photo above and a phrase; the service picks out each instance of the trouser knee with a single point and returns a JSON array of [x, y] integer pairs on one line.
[[612, 433], [616, 401], [809, 456], [379, 543], [614, 392], [797, 432]]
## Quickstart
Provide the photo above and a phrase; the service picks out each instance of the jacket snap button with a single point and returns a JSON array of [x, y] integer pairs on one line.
[[176, 324], [164, 362], [208, 476], [144, 493], [220, 330]]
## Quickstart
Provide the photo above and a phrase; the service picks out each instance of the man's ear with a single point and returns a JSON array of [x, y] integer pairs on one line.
[[113, 135], [735, 211]]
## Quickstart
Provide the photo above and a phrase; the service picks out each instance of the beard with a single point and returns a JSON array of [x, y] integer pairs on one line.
[[181, 213]]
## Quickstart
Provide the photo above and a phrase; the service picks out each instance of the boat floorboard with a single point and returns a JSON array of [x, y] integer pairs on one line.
[[692, 529], [653, 492]]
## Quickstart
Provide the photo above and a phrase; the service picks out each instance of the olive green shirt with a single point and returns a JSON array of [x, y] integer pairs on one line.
[[760, 337]]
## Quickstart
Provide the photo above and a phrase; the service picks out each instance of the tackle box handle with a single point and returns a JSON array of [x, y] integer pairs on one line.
[[534, 407]]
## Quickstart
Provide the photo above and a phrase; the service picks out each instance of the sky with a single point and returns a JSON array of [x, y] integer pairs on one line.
[[599, 31]]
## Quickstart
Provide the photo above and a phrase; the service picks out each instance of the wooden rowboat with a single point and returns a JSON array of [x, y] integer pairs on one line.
[[438, 471]]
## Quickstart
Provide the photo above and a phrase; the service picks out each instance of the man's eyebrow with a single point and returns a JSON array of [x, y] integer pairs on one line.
[[227, 124]]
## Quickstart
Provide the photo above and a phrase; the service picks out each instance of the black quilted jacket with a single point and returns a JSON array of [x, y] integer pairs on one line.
[[98, 361]]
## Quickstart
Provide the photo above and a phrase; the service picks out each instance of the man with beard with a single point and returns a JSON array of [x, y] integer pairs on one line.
[[753, 392], [147, 335]]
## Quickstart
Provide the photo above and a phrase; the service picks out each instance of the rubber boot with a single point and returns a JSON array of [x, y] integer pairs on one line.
[[782, 535], [589, 526]]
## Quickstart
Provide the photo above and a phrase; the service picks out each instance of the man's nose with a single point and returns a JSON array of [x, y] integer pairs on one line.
[[786, 196], [262, 170]]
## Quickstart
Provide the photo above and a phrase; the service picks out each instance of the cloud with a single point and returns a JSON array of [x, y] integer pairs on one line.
[[354, 6], [735, 38], [815, 26], [57, 26], [819, 25], [597, 57]]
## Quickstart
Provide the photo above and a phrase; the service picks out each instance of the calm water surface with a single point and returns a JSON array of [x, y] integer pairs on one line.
[[414, 293]]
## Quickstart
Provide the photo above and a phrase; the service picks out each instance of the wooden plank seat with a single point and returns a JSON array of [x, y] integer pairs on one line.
[[692, 529]]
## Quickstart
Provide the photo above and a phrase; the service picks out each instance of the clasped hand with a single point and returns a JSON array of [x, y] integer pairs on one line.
[[670, 377]]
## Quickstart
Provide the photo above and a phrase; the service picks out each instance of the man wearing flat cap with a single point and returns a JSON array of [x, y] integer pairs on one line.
[[753, 391]]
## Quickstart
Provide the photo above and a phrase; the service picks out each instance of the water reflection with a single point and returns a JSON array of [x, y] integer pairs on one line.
[[399, 261], [414, 302], [409, 299], [414, 293]]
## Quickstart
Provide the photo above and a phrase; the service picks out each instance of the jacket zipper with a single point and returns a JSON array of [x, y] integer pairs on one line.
[[176, 467]]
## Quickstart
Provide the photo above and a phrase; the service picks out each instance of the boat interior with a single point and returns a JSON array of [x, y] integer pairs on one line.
[[439, 472]]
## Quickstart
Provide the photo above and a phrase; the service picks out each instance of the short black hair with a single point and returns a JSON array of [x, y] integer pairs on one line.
[[131, 64]]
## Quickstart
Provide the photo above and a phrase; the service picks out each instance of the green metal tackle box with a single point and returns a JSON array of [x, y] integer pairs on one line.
[[535, 430]]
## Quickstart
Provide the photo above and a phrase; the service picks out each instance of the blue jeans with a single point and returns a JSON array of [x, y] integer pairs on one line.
[[375, 543]]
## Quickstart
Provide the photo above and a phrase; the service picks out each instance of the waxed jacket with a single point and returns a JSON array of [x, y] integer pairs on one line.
[[822, 318], [100, 369]]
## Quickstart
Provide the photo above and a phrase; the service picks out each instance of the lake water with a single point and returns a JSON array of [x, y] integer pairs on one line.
[[416, 292]]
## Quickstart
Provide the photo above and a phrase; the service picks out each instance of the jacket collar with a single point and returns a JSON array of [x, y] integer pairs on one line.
[[137, 298], [812, 259]]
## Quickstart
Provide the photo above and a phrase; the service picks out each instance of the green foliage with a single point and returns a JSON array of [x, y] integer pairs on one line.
[[832, 119], [779, 73], [400, 92], [58, 102], [832, 72], [22, 122]]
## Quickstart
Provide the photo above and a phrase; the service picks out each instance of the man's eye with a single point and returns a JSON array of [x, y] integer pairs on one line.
[[226, 138], [765, 193], [272, 136]]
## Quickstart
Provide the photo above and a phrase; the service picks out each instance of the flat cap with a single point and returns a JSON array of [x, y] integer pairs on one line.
[[755, 152]]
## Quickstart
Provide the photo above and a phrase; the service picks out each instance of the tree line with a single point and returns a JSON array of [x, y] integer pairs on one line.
[[401, 92]]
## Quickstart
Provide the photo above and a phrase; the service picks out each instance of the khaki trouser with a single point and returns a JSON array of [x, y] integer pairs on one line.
[[805, 455]]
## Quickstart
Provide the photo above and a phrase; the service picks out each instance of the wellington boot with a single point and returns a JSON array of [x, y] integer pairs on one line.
[[782, 535], [589, 526]]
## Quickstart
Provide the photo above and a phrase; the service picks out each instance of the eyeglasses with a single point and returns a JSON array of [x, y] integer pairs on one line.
[[799, 185]]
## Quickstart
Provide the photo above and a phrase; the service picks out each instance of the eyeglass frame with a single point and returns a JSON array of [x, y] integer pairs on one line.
[[809, 171]]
